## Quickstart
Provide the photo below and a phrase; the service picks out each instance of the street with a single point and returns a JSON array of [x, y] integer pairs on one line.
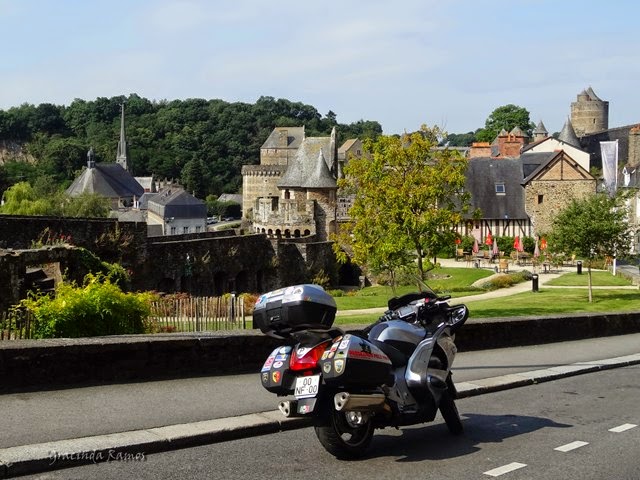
[[27, 417], [560, 429]]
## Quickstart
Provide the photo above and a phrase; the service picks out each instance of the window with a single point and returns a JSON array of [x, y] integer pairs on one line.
[[185, 229], [540, 199], [198, 228], [173, 230], [500, 188]]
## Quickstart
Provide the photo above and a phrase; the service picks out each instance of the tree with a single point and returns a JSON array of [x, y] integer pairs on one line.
[[408, 200], [506, 117], [592, 227]]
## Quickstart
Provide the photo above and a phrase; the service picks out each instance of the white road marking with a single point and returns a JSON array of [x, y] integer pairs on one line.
[[571, 446], [496, 472], [623, 428]]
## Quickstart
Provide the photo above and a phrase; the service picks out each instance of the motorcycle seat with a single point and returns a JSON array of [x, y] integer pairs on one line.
[[398, 359]]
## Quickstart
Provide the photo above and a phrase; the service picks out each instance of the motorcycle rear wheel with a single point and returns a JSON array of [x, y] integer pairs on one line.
[[343, 438]]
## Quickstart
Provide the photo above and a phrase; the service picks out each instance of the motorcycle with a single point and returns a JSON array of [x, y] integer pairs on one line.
[[395, 372]]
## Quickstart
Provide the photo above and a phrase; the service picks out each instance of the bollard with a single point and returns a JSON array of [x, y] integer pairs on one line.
[[534, 282], [579, 267]]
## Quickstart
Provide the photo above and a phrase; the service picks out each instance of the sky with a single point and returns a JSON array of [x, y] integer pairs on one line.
[[403, 63]]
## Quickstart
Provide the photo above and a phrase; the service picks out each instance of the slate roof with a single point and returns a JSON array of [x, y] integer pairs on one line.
[[482, 175], [533, 162], [320, 177], [540, 129], [304, 164], [295, 136], [106, 179], [175, 202], [568, 135]]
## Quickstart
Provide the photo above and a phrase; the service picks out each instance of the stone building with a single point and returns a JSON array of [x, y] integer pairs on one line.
[[293, 192], [519, 187]]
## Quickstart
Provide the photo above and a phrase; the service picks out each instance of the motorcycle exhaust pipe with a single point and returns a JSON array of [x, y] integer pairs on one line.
[[350, 402], [289, 408]]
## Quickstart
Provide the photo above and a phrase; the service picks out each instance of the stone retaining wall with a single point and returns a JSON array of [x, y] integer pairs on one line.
[[38, 364]]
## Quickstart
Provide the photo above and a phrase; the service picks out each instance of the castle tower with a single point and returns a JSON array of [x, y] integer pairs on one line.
[[121, 155], [540, 132], [589, 114]]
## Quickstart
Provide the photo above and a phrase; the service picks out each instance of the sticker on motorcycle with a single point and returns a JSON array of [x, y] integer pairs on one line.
[[276, 376], [278, 364], [326, 368], [339, 366], [365, 352], [265, 378], [281, 358], [344, 343], [284, 350], [268, 363]]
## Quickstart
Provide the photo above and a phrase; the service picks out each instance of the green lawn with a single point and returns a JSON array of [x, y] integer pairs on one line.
[[551, 301], [545, 302], [446, 281], [599, 278]]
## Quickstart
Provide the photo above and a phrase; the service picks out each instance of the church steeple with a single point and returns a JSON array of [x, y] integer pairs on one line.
[[121, 155]]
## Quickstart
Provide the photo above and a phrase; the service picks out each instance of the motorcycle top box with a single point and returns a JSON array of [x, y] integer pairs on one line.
[[300, 307]]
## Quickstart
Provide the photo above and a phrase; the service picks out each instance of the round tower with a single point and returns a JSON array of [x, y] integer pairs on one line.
[[589, 114]]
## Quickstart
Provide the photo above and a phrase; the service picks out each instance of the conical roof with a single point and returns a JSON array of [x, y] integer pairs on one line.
[[516, 131], [320, 177], [540, 129], [568, 135]]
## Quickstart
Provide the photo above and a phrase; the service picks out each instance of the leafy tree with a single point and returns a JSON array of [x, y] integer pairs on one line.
[[407, 201], [592, 227], [506, 117], [459, 139]]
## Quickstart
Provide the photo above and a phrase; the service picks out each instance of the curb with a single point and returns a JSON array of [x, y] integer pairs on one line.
[[135, 445]]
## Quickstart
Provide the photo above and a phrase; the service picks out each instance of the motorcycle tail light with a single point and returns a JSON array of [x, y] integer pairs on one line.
[[303, 359]]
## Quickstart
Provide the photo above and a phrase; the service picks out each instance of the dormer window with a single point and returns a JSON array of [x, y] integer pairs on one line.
[[500, 188]]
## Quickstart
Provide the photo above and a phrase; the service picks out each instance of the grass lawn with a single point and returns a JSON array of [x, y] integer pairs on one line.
[[599, 279], [446, 281], [545, 302], [551, 301]]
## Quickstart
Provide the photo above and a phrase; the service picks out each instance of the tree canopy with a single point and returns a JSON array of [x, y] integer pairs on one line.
[[408, 198], [592, 227], [203, 142], [506, 117]]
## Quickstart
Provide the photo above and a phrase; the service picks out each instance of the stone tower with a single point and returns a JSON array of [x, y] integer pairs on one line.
[[589, 114]]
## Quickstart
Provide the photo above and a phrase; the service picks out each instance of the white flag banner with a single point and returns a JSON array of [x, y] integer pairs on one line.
[[609, 152]]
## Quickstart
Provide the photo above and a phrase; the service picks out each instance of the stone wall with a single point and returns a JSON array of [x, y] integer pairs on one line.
[[555, 197], [33, 364], [113, 241]]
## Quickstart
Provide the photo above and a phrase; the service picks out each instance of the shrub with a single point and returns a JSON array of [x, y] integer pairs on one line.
[[97, 308], [336, 293], [507, 280]]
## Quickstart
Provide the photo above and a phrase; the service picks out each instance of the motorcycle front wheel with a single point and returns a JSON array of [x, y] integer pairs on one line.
[[345, 435]]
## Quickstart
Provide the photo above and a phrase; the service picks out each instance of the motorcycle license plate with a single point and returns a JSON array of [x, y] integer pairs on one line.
[[307, 387]]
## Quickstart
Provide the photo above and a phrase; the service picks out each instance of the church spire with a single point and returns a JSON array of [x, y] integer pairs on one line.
[[121, 155]]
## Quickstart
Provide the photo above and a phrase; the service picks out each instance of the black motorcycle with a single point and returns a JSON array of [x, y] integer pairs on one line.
[[395, 372]]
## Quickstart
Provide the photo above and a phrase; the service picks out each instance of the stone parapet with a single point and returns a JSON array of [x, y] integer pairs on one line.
[[54, 363]]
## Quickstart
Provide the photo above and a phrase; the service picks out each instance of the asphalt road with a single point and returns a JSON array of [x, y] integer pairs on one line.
[[37, 417], [560, 429]]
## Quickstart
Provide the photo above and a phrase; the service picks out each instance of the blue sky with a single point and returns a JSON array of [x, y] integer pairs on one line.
[[402, 63]]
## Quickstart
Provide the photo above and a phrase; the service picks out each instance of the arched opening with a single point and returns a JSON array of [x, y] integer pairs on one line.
[[270, 233], [307, 232], [296, 233], [287, 233]]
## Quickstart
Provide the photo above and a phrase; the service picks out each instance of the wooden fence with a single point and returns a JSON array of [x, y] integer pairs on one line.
[[196, 314], [15, 325]]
